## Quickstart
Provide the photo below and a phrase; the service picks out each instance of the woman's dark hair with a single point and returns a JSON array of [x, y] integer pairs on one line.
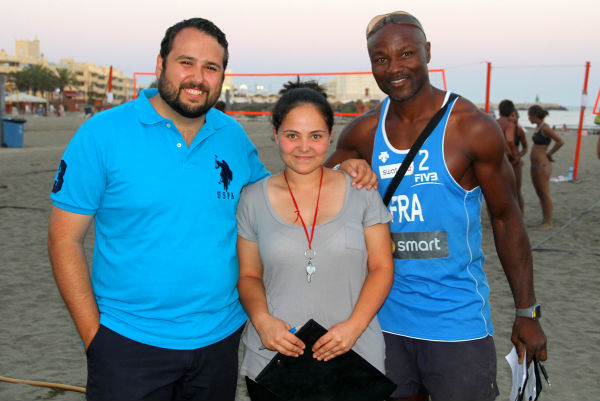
[[537, 111], [298, 93], [201, 24]]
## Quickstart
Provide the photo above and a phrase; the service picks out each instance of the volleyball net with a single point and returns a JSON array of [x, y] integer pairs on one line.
[[350, 93]]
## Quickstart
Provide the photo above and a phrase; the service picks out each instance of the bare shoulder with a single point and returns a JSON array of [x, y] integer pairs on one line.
[[356, 138], [476, 130], [549, 131], [471, 118]]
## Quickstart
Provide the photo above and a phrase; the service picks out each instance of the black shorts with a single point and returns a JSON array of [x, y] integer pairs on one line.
[[460, 371], [122, 369]]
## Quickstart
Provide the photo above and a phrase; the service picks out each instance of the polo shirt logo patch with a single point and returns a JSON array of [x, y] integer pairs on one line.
[[58, 180], [226, 176]]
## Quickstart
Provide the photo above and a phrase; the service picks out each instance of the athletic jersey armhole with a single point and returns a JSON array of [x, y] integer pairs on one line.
[[450, 108]]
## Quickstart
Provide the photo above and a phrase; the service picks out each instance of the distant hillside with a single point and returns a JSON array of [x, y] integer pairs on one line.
[[547, 106], [525, 106]]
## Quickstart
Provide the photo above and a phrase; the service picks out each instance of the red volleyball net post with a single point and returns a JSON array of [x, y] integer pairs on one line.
[[350, 93], [596, 109], [581, 114], [487, 87]]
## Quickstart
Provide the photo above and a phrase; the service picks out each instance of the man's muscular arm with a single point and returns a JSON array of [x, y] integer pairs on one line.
[[351, 154], [494, 175]]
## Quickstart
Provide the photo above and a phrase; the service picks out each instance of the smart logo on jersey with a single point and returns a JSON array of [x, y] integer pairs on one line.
[[389, 170], [226, 176], [384, 156], [425, 245]]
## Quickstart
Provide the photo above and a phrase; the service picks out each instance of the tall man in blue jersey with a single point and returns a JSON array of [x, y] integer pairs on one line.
[[436, 320]]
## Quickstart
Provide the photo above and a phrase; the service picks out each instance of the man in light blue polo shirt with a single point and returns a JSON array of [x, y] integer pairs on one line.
[[160, 177]]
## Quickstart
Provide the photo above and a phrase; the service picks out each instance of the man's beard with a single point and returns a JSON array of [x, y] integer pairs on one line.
[[415, 85], [170, 94]]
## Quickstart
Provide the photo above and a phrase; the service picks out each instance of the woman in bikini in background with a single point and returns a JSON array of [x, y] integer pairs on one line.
[[541, 159]]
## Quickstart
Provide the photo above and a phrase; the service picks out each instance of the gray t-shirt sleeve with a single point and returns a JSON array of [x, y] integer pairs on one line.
[[375, 211], [246, 215]]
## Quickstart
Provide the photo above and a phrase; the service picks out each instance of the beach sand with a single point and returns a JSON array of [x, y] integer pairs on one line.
[[38, 340]]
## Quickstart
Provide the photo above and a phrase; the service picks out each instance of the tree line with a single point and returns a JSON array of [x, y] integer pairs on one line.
[[36, 78]]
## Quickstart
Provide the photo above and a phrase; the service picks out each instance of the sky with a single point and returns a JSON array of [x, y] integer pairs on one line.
[[536, 47]]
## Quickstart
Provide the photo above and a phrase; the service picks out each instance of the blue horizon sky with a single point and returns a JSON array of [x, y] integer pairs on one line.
[[537, 48]]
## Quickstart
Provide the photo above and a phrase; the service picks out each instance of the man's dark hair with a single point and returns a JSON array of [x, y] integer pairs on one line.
[[201, 24], [506, 108]]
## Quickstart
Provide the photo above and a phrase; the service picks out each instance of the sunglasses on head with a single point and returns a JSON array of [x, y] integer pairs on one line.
[[397, 17]]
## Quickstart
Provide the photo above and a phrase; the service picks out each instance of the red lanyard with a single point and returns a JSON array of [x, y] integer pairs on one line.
[[312, 233]]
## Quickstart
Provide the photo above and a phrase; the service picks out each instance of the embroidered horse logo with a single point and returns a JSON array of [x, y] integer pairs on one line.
[[226, 173], [58, 180]]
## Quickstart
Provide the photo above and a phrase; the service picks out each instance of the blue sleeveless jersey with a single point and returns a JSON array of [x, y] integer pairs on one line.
[[440, 291]]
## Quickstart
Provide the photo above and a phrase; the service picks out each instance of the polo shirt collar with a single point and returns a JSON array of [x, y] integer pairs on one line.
[[144, 109]]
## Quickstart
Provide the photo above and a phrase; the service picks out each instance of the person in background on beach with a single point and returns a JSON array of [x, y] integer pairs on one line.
[[541, 160], [361, 107], [436, 320], [515, 139], [160, 177], [505, 109], [220, 105], [348, 283], [522, 147]]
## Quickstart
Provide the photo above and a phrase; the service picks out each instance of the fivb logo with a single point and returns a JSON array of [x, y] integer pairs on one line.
[[389, 171]]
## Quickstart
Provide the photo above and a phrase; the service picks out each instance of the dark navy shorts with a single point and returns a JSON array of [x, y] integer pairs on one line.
[[448, 371], [123, 369]]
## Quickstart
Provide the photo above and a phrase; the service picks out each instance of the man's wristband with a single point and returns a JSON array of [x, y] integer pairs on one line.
[[533, 312], [337, 166]]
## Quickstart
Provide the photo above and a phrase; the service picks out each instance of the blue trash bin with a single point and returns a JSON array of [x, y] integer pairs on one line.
[[13, 129]]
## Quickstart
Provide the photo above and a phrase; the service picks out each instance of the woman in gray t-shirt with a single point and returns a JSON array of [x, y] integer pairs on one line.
[[310, 245]]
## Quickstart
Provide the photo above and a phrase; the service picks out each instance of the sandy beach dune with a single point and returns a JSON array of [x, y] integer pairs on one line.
[[38, 340]]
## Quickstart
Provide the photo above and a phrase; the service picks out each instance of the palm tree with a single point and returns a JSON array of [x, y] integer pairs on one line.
[[34, 78], [21, 80], [65, 78], [42, 78]]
